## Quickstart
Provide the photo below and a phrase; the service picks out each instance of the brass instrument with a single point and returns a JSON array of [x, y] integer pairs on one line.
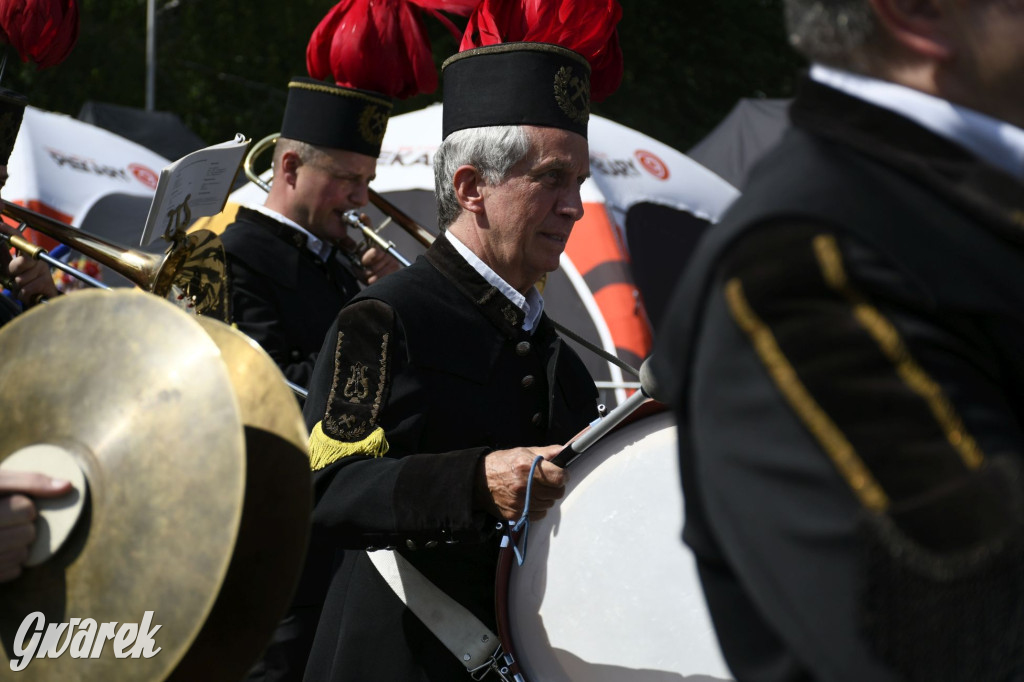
[[193, 267], [417, 231], [196, 491]]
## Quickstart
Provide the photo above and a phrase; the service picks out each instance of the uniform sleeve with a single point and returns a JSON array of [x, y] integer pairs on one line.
[[256, 312], [848, 470], [364, 410]]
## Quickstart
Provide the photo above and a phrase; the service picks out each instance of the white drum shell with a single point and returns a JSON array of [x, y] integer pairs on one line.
[[608, 590]]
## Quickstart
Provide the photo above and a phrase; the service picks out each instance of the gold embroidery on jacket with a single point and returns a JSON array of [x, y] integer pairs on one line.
[[885, 334], [842, 453], [357, 387]]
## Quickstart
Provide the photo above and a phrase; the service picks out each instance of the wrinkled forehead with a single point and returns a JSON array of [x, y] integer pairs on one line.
[[556, 145]]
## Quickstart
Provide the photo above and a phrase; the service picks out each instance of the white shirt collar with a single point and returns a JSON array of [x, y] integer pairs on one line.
[[532, 304], [317, 246], [996, 142]]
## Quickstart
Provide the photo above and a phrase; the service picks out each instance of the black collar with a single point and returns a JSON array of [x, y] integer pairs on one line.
[[282, 231], [982, 190], [503, 313]]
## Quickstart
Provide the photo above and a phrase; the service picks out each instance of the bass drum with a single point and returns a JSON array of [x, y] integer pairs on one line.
[[608, 590]]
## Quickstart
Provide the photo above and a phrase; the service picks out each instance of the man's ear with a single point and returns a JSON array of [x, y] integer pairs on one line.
[[288, 167], [469, 186], [920, 26]]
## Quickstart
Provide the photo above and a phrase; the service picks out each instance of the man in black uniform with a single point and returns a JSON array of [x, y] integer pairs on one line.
[[845, 355], [286, 276], [26, 278], [438, 387]]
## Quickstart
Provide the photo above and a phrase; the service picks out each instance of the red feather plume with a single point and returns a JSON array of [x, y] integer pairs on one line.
[[585, 26], [41, 30], [380, 45]]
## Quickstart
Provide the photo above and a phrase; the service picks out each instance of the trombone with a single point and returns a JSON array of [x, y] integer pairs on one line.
[[395, 214], [193, 266]]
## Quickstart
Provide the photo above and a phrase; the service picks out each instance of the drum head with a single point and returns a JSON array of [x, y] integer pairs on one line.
[[608, 590]]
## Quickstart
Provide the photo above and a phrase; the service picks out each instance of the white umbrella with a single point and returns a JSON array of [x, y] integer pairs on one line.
[[62, 167]]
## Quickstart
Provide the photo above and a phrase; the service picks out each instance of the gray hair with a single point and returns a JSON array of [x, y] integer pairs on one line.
[[833, 32], [492, 150]]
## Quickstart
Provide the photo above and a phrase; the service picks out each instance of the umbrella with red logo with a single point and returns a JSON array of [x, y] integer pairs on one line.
[[84, 176]]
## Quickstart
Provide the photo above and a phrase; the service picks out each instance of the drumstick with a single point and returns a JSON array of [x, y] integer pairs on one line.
[[601, 426]]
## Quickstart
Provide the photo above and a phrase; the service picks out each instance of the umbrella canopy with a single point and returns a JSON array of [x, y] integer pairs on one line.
[[596, 291], [742, 137], [62, 167], [161, 131], [84, 176]]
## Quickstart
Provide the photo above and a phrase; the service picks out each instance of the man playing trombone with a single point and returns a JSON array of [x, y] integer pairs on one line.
[[286, 275]]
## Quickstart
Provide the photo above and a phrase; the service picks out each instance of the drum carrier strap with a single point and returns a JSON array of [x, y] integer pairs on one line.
[[460, 631]]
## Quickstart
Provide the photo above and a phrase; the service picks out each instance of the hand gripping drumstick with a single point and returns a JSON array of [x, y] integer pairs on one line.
[[649, 389]]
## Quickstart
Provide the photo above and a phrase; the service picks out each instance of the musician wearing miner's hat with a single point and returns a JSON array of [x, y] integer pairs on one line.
[[440, 385], [286, 276]]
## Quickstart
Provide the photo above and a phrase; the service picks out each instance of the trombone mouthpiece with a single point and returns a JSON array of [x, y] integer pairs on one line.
[[353, 219]]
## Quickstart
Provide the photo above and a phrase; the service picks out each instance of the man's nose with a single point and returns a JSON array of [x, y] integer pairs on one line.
[[360, 195], [573, 204]]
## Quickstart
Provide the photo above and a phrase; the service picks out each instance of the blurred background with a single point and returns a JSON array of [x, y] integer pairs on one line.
[[223, 66]]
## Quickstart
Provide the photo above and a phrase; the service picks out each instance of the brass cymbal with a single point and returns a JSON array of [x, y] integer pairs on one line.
[[272, 538], [264, 399], [139, 394]]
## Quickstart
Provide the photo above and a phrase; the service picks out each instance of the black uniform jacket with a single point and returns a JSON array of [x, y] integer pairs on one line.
[[845, 357], [282, 295], [8, 309], [432, 359]]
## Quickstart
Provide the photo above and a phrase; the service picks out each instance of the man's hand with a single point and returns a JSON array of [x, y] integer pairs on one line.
[[18, 513], [375, 261], [502, 477], [378, 263], [32, 279]]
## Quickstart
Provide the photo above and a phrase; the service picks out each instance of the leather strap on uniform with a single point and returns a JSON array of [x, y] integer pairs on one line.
[[460, 631]]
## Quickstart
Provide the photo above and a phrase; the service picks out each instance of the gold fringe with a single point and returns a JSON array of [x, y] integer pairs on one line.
[[324, 450], [825, 431], [888, 339]]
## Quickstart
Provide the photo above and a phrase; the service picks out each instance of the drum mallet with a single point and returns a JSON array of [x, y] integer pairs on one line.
[[599, 427]]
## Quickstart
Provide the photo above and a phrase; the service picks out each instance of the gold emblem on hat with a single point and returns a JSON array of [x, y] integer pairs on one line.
[[573, 95], [373, 122]]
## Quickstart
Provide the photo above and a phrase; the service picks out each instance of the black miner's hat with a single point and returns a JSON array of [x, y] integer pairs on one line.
[[521, 83], [328, 115]]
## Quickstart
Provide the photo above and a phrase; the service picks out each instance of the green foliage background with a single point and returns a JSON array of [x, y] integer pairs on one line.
[[223, 65]]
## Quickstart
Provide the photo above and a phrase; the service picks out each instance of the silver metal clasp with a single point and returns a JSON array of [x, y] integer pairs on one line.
[[498, 664]]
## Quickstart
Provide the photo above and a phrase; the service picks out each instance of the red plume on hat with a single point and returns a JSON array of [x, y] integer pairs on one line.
[[584, 26], [41, 30], [380, 45]]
